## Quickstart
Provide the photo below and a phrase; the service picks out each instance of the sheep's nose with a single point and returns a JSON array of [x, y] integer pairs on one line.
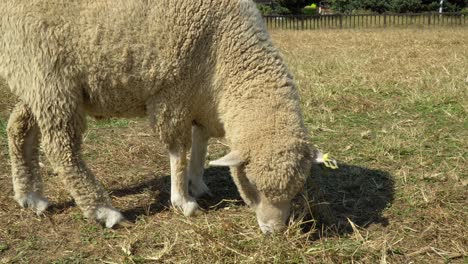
[[271, 228], [266, 229]]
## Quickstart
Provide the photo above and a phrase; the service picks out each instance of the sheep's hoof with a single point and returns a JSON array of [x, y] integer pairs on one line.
[[188, 206], [199, 189], [33, 200], [108, 216]]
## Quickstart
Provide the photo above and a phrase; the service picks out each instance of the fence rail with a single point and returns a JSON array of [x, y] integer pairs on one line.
[[337, 21]]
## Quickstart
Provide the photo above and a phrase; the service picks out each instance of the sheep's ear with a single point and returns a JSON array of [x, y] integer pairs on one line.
[[232, 159]]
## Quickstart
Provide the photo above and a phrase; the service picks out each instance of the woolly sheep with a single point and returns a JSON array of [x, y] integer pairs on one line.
[[198, 69]]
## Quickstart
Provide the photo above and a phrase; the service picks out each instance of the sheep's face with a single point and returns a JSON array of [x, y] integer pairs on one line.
[[272, 217], [271, 203]]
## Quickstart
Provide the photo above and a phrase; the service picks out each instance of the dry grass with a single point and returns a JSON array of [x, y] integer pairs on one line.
[[389, 104]]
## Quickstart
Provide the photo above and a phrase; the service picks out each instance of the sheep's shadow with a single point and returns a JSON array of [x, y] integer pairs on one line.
[[334, 196], [223, 193], [152, 185], [350, 193], [155, 187]]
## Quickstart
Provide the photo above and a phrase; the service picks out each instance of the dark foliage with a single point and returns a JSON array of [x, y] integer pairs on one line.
[[397, 6]]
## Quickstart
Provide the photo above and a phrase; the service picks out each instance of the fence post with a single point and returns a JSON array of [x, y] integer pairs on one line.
[[429, 15], [385, 20], [341, 20]]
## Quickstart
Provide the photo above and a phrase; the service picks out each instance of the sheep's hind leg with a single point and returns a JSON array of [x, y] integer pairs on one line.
[[180, 197], [61, 137], [23, 137], [197, 161]]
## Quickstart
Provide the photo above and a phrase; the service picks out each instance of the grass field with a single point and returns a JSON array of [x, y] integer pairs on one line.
[[390, 105]]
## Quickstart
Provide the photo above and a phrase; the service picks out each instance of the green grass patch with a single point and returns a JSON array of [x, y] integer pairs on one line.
[[3, 247], [3, 127], [109, 123]]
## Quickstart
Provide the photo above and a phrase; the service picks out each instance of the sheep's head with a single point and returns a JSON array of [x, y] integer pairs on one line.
[[268, 183]]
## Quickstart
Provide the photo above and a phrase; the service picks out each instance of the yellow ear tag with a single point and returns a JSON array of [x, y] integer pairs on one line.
[[325, 159], [329, 162]]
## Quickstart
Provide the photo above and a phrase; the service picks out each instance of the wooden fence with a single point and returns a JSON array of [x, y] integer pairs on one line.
[[337, 21]]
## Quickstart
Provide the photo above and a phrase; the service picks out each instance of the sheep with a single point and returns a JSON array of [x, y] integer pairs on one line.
[[198, 69]]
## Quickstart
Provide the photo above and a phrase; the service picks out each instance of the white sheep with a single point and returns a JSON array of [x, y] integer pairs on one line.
[[198, 69]]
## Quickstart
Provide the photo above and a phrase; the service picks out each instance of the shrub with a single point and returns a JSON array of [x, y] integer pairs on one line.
[[310, 10], [281, 10], [293, 6], [265, 10], [362, 11]]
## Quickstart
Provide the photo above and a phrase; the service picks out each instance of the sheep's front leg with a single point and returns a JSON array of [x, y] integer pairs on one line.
[[23, 142], [61, 137], [180, 197], [197, 162]]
